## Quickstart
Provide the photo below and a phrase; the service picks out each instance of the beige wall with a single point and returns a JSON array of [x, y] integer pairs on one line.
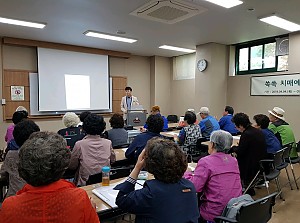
[[137, 71], [211, 84], [161, 83], [182, 96], [238, 94]]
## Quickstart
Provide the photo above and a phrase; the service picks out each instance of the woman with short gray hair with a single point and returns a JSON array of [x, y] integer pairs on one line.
[[216, 176], [43, 159]]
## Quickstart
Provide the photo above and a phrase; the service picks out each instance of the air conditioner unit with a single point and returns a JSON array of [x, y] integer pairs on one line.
[[168, 11]]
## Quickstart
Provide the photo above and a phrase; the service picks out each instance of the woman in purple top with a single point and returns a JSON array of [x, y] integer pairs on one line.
[[216, 177], [18, 116]]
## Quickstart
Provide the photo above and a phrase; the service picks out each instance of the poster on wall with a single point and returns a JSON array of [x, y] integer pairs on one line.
[[286, 85], [17, 93]]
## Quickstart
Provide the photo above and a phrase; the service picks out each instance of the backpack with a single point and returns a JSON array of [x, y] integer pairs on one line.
[[235, 204]]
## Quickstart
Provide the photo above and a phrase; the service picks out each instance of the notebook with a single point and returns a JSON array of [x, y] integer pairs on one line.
[[109, 195]]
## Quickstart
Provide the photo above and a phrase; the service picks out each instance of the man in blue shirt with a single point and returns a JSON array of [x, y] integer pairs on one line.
[[208, 124], [225, 122]]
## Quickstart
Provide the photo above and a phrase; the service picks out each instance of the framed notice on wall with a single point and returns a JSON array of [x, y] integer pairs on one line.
[[286, 85], [17, 93]]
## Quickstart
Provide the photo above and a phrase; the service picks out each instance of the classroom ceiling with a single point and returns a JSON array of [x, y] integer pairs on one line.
[[67, 20]]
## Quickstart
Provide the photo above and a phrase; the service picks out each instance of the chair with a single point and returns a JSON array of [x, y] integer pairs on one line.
[[259, 211], [196, 151], [115, 173], [286, 162], [270, 171], [172, 118], [293, 161]]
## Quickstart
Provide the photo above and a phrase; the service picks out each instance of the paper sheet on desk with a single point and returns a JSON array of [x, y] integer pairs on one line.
[[125, 149], [172, 133], [109, 195]]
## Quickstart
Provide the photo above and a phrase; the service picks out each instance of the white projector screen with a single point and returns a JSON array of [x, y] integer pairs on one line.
[[72, 81]]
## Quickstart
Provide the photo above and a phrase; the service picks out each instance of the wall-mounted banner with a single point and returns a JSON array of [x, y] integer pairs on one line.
[[17, 93], [276, 85]]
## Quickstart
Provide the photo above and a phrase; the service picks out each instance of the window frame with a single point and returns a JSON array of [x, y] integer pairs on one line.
[[248, 45]]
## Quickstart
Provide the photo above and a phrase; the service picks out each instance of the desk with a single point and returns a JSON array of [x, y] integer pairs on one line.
[[103, 210], [170, 125], [235, 141], [170, 134]]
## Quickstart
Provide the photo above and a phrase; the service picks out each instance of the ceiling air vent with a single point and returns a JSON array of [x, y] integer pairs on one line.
[[167, 11]]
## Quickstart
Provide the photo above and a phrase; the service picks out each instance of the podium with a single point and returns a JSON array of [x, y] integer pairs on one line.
[[136, 117]]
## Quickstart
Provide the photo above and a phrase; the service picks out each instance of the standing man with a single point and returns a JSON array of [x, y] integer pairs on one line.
[[127, 102], [225, 122]]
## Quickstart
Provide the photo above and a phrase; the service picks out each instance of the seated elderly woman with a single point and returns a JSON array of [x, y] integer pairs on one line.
[[72, 133], [18, 116], [9, 169], [251, 149], [117, 135], [167, 198], [92, 152], [216, 176], [43, 159], [191, 132]]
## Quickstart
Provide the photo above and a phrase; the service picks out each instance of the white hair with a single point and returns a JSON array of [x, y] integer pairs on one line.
[[222, 140], [70, 119]]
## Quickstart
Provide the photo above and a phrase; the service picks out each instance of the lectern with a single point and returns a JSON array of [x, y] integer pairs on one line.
[[136, 116]]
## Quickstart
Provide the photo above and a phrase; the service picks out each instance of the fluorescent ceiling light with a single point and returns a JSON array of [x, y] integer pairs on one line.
[[281, 23], [109, 37], [166, 47], [226, 3], [22, 23]]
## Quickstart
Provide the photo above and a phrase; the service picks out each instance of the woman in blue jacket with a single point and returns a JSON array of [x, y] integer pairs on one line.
[[168, 197]]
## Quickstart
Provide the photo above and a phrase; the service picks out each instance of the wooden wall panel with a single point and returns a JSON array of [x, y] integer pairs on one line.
[[14, 78], [118, 85]]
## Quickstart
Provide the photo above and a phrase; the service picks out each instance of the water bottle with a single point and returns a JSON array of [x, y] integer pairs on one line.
[[105, 175]]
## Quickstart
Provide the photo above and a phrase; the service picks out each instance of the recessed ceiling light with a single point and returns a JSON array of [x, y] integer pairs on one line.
[[226, 4], [281, 23], [22, 23], [109, 37], [166, 47]]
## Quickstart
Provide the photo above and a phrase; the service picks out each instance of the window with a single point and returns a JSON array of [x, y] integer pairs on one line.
[[184, 67], [259, 57]]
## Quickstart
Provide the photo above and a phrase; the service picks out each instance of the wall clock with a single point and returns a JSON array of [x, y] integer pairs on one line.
[[202, 65]]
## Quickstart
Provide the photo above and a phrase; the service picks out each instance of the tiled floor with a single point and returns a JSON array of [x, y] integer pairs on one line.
[[287, 211]]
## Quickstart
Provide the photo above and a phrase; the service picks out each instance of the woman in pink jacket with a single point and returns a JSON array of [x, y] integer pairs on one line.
[[216, 177]]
